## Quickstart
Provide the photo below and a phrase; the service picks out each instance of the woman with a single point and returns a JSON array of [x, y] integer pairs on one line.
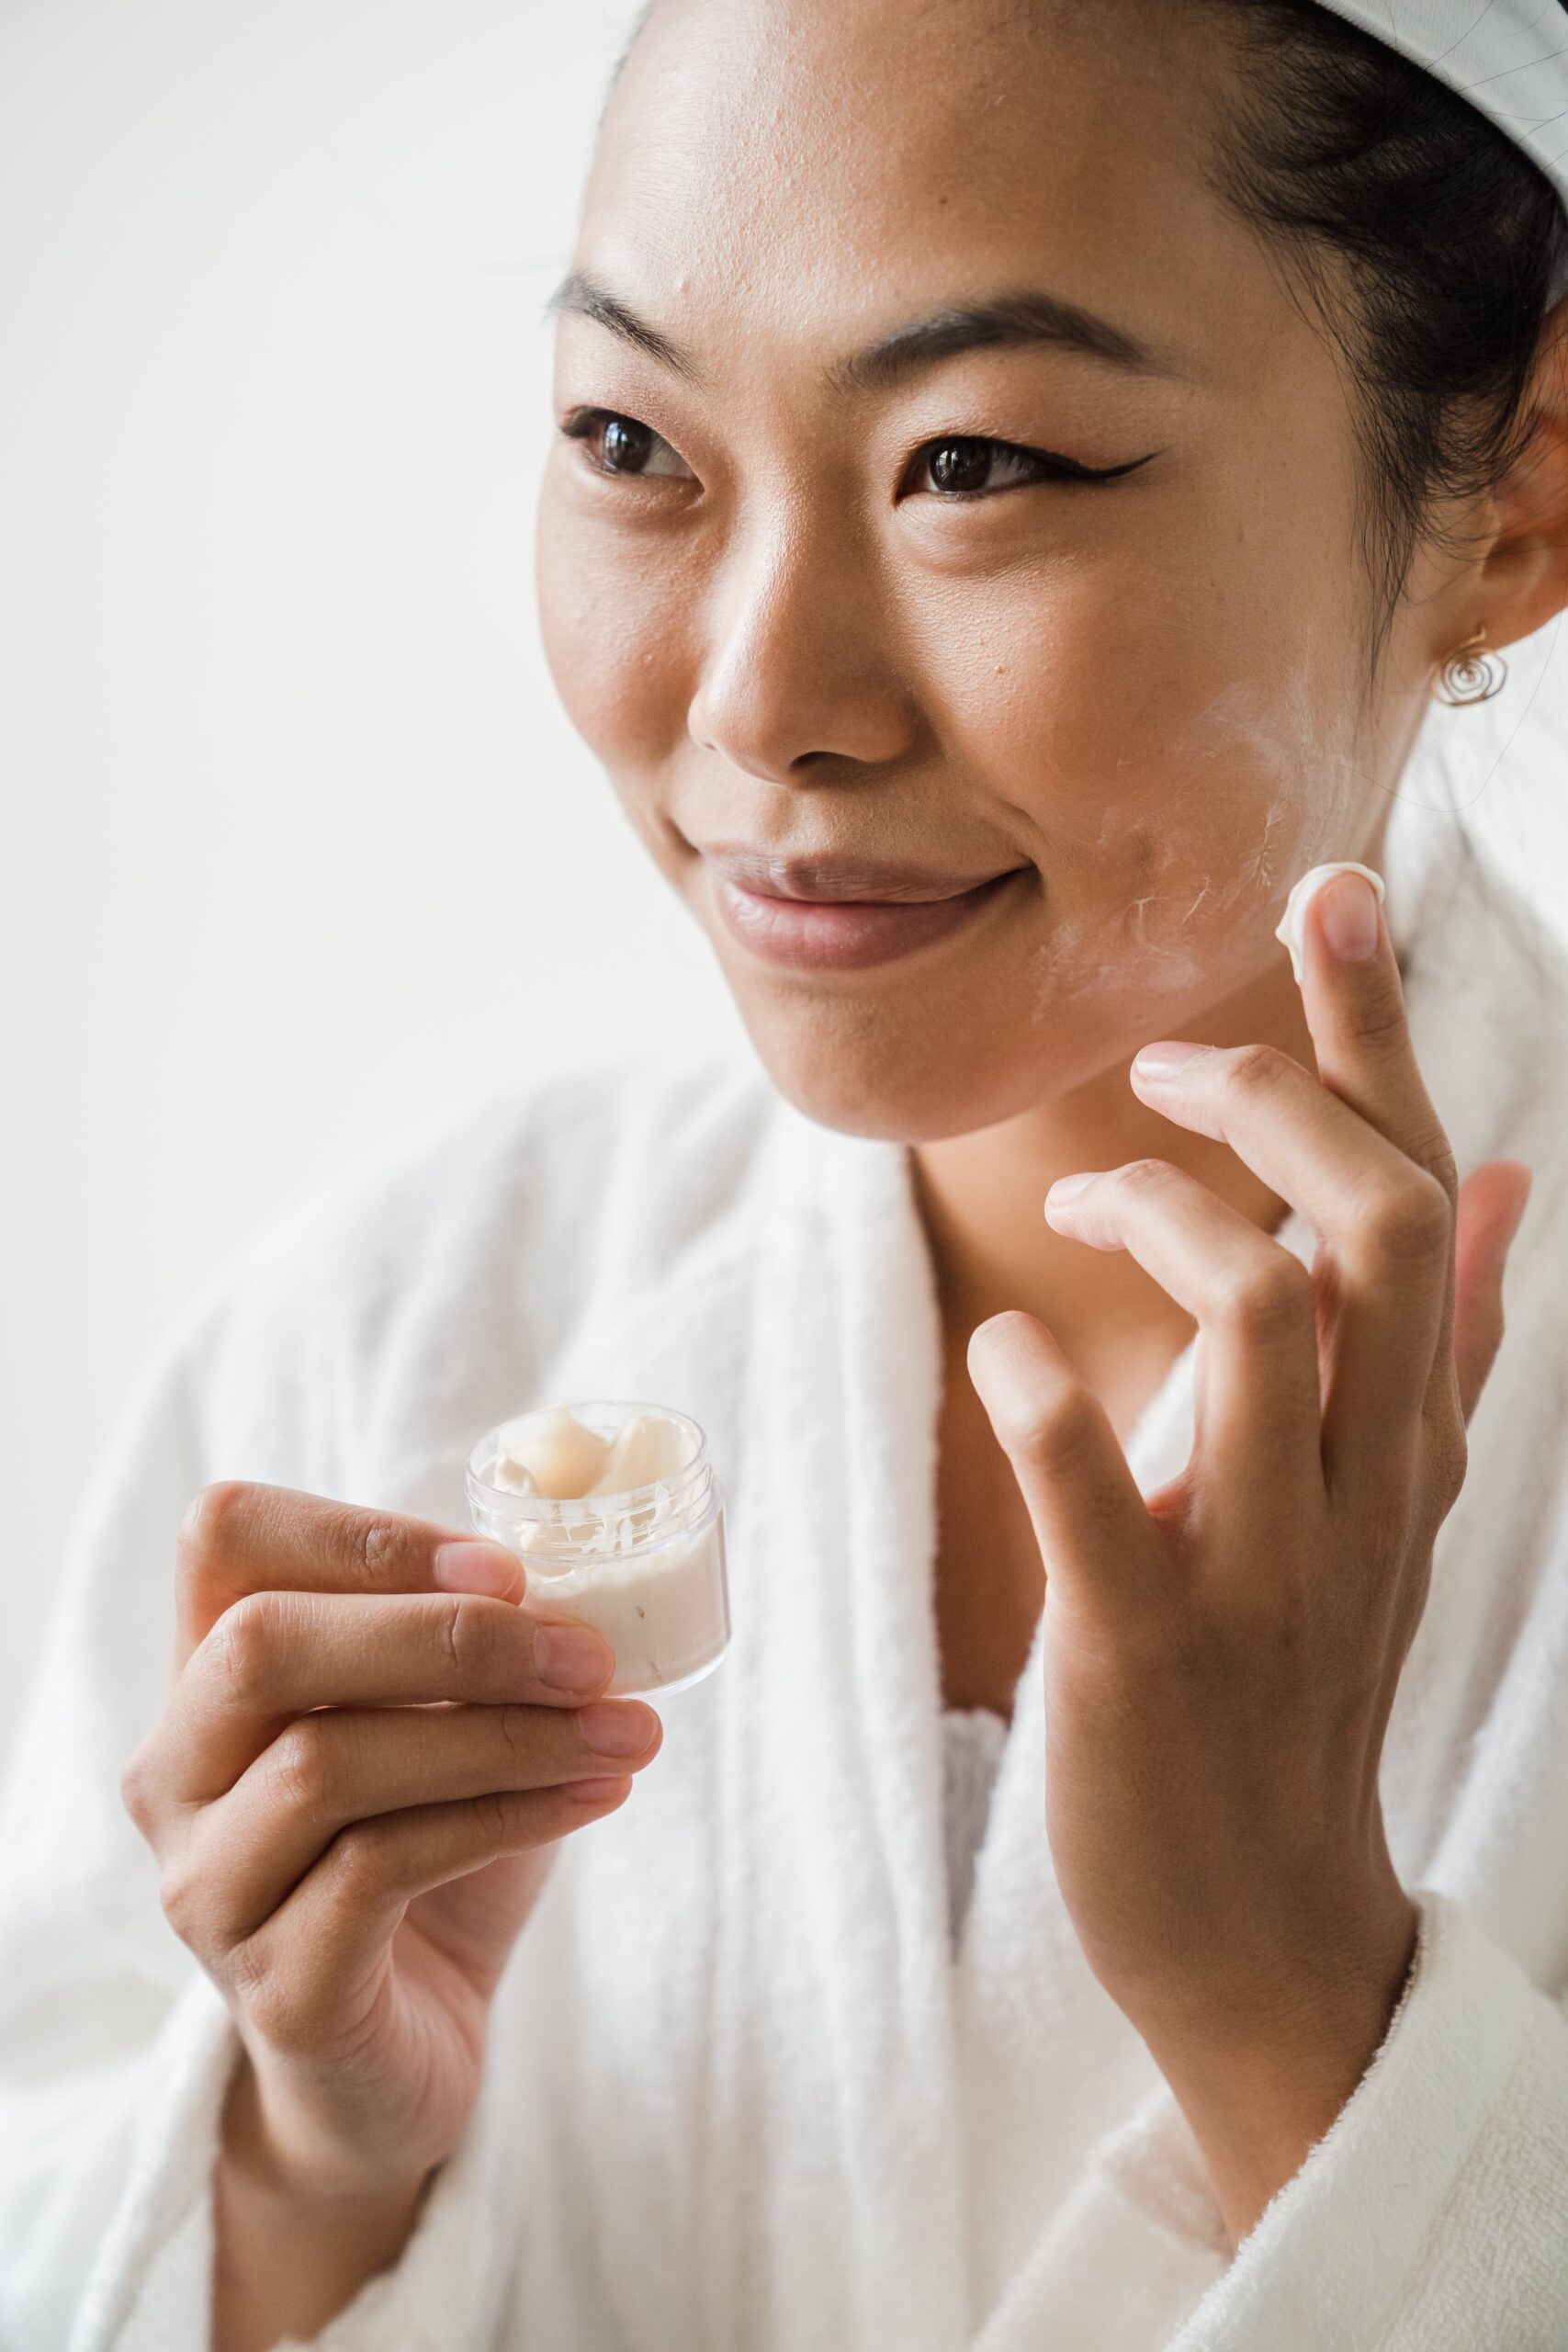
[[1027, 468]]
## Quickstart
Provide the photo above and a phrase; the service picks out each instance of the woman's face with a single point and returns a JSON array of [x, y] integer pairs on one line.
[[791, 617]]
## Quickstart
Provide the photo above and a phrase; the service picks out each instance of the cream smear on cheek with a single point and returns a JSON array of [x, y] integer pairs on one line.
[[1209, 858]]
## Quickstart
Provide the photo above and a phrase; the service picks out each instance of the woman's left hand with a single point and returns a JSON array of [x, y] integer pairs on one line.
[[1221, 1657]]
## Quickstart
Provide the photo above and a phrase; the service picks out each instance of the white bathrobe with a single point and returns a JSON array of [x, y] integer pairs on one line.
[[739, 2093]]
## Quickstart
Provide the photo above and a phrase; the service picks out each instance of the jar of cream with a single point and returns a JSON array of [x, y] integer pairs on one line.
[[618, 1520]]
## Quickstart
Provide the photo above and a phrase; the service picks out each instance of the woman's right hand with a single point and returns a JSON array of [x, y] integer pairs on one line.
[[368, 1752]]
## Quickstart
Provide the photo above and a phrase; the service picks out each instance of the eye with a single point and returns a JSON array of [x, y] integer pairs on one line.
[[963, 466], [619, 444]]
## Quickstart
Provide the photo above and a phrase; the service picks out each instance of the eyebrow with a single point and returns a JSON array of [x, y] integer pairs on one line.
[[1021, 318], [579, 292], [1028, 317]]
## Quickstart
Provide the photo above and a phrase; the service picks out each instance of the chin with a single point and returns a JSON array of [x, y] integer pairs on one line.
[[932, 1048], [859, 1072]]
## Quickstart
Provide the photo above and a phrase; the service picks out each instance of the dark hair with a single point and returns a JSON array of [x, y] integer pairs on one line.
[[1453, 240], [1449, 240]]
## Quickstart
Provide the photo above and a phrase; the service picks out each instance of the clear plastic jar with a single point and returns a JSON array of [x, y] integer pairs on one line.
[[645, 1569]]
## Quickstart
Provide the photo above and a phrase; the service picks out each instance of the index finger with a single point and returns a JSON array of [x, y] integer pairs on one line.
[[279, 1654], [1354, 1004], [239, 1537]]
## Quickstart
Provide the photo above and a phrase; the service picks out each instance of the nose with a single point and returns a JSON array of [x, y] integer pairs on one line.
[[796, 668]]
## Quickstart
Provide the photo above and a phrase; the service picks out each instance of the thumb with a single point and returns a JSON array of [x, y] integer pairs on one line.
[[1491, 1202]]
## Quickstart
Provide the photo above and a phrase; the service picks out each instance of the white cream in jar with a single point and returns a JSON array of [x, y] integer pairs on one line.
[[618, 1520]]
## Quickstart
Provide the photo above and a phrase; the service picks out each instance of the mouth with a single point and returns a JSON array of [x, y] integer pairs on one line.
[[824, 928], [868, 881]]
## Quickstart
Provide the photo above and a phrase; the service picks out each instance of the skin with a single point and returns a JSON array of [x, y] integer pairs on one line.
[[1220, 1660], [369, 1751], [1155, 691], [1152, 694]]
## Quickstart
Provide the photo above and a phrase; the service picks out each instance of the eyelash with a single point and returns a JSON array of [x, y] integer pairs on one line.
[[1049, 466]]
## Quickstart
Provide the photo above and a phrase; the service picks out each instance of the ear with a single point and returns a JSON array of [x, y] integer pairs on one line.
[[1524, 580]]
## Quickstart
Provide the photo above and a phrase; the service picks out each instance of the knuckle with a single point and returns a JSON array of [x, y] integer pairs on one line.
[[242, 1646], [1256, 1069], [245, 1974], [272, 2008], [1456, 1463], [1063, 1429], [518, 1729], [290, 1995], [135, 1786], [383, 1550], [210, 1518], [279, 1981], [361, 1862], [1271, 1298], [180, 1893], [301, 1767], [1378, 1018], [1143, 1177], [1451, 1458], [504, 1815], [1408, 1217], [465, 1629], [1433, 1151]]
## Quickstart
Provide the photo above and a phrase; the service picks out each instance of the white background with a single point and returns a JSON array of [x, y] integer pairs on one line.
[[288, 798]]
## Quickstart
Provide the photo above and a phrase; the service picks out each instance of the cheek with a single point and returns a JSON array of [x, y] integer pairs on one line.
[[1176, 914], [604, 622], [1175, 771]]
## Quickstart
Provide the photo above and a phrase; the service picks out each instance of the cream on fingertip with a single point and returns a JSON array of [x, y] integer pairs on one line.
[[1288, 930]]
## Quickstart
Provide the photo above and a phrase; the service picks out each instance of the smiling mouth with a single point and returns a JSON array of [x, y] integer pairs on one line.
[[833, 878], [840, 933]]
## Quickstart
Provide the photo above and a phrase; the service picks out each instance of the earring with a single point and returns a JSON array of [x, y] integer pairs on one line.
[[1470, 674]]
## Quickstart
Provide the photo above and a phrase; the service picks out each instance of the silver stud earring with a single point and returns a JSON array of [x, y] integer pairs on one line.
[[1470, 674]]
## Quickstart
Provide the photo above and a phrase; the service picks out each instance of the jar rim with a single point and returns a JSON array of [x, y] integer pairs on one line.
[[485, 1450]]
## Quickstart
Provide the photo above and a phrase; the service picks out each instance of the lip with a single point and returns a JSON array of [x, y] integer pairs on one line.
[[867, 880], [847, 934]]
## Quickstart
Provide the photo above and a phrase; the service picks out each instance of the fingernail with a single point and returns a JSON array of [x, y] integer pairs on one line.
[[616, 1727], [1303, 890], [476, 1566], [1349, 916], [1165, 1060], [594, 1791], [1067, 1188], [571, 1657]]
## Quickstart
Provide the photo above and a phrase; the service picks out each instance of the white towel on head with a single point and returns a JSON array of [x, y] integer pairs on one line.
[[1508, 58], [739, 2095]]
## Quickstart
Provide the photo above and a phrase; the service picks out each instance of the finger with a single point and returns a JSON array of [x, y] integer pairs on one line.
[[276, 1654], [1082, 1499], [1253, 1305], [1491, 1202], [238, 1537], [250, 1849], [1354, 1003], [1386, 1225], [331, 1937]]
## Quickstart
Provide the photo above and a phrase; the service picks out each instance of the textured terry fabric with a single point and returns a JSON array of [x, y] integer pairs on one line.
[[741, 2093], [972, 1743]]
